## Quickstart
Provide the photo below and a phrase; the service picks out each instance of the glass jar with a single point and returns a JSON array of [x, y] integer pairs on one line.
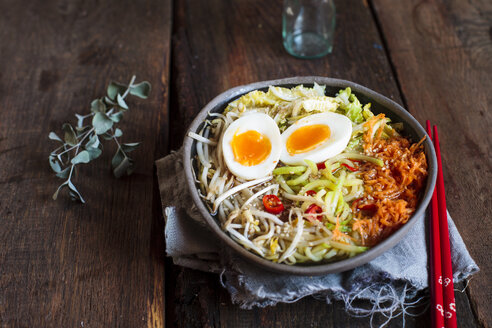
[[308, 27]]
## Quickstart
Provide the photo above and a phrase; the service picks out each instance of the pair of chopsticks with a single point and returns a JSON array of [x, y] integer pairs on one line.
[[443, 311]]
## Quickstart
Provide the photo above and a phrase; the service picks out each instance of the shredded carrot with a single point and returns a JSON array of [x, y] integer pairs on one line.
[[338, 235], [393, 190]]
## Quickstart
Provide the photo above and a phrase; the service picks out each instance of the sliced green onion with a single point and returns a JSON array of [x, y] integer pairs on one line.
[[289, 170], [348, 248], [322, 183], [281, 181], [353, 182], [362, 157], [328, 171], [300, 179], [331, 226], [312, 165]]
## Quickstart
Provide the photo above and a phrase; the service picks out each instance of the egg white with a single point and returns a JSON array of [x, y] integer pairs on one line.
[[340, 132], [263, 124]]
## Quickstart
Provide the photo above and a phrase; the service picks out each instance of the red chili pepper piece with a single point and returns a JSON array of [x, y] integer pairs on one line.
[[369, 207], [321, 166], [315, 209], [273, 204], [357, 201], [353, 169], [310, 192]]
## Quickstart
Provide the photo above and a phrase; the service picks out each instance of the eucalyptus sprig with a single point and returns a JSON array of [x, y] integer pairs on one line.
[[82, 144]]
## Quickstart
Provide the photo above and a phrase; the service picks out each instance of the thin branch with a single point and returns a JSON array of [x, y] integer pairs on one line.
[[129, 87], [78, 144]]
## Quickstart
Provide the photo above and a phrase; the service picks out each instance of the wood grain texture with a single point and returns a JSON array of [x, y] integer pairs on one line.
[[63, 264], [101, 264], [221, 44], [442, 53]]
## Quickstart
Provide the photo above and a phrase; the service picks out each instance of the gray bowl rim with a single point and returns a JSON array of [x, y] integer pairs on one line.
[[324, 268]]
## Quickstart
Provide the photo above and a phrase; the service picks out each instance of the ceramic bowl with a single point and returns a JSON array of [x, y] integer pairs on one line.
[[379, 104]]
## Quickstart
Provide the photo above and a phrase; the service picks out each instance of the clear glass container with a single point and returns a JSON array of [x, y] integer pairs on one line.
[[308, 27]]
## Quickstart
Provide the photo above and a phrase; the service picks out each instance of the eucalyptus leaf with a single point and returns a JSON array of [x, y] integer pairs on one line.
[[94, 153], [70, 137], [98, 106], [121, 101], [128, 147], [115, 88], [109, 101], [125, 167], [64, 174], [141, 89], [116, 117], [80, 120], [101, 123], [93, 142], [117, 158], [82, 157], [107, 136], [131, 169], [82, 144], [55, 165], [54, 136], [81, 130]]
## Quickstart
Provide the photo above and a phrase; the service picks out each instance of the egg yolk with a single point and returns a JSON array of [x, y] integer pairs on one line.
[[250, 147], [307, 138]]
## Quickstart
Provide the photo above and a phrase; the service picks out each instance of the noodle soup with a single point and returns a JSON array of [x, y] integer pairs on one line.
[[296, 176]]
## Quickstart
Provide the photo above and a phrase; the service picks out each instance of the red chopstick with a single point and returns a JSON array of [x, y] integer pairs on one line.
[[447, 269], [437, 310], [442, 287]]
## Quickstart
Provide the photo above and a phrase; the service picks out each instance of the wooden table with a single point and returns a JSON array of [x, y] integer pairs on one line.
[[102, 264]]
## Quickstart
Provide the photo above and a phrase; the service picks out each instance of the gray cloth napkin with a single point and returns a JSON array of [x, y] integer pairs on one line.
[[388, 281]]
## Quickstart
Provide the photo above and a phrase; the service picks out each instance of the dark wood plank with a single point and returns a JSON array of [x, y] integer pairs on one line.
[[200, 301], [442, 53], [63, 264], [221, 44]]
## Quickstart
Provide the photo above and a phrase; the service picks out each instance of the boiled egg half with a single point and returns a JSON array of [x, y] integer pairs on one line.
[[251, 146], [317, 137]]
